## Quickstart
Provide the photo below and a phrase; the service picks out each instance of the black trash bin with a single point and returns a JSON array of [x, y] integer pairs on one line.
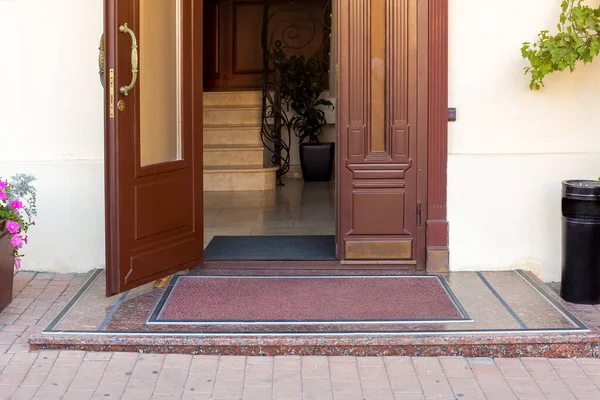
[[581, 242]]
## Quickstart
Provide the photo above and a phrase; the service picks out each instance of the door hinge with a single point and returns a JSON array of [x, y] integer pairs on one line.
[[418, 214]]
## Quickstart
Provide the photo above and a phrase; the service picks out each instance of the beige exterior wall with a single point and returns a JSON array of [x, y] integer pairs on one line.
[[51, 125], [511, 148]]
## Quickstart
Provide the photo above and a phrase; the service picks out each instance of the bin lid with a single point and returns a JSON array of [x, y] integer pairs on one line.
[[581, 189]]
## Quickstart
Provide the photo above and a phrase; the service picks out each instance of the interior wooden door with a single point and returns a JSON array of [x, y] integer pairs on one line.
[[382, 117], [233, 37], [153, 139]]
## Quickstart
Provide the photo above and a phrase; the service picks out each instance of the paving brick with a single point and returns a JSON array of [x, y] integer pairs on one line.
[[259, 369], [456, 367], [316, 385], [227, 390], [172, 377], [7, 391], [204, 365], [258, 380], [34, 379], [372, 372], [120, 366], [24, 393], [379, 393], [177, 361], [287, 363], [85, 382], [259, 360], [78, 395], [334, 360], [14, 378], [168, 390], [92, 367], [314, 361], [316, 395], [95, 356], [66, 358], [232, 362], [318, 371], [405, 384], [257, 393], [347, 387], [137, 395], [349, 396]]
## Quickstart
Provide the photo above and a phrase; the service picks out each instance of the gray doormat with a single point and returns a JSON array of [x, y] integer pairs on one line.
[[281, 248]]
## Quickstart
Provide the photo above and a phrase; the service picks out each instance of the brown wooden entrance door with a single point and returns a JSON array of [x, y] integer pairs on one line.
[[153, 139], [382, 117]]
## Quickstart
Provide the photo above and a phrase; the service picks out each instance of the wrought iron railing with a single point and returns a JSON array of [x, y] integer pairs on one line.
[[278, 41]]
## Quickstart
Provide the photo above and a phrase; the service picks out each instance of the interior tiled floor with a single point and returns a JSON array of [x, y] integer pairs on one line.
[[298, 208]]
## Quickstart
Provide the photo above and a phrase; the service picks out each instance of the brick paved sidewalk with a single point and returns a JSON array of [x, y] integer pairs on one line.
[[80, 375]]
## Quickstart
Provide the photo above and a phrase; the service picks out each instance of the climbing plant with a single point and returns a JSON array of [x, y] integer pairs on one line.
[[578, 39]]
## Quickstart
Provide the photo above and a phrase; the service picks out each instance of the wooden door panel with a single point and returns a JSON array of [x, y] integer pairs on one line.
[[154, 192], [152, 218], [379, 212], [379, 191]]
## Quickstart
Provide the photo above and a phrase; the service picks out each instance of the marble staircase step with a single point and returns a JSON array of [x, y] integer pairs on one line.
[[232, 135], [232, 115], [225, 155], [239, 178], [245, 98]]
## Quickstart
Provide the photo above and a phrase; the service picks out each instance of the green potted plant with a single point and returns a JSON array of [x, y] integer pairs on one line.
[[17, 208], [302, 86]]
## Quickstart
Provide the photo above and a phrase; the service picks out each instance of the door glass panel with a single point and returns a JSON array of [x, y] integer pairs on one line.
[[378, 75], [160, 81]]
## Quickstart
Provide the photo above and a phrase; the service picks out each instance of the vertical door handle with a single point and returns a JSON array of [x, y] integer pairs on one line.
[[134, 59]]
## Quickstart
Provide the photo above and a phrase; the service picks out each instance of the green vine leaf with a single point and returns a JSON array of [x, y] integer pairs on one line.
[[578, 39]]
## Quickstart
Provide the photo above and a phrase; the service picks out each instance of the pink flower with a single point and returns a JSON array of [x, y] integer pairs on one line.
[[17, 263], [26, 239], [12, 226], [17, 241], [2, 185], [3, 195], [16, 204]]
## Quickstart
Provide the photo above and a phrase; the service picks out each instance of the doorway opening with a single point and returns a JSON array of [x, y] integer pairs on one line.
[[266, 64]]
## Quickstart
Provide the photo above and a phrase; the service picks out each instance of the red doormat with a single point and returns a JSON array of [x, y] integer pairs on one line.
[[315, 299]]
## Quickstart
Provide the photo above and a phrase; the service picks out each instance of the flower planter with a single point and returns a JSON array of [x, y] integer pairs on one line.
[[7, 270], [316, 161]]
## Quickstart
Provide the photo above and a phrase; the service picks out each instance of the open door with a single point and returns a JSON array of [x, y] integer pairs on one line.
[[153, 139]]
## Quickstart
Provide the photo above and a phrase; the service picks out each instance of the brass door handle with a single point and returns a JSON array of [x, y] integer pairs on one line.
[[101, 60], [134, 59]]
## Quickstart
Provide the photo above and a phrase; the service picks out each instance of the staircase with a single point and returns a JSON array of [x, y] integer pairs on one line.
[[233, 151]]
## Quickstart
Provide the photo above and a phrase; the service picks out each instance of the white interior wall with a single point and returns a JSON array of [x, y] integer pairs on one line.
[[510, 148]]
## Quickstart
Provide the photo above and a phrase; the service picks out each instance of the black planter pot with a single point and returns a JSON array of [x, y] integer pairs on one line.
[[316, 161]]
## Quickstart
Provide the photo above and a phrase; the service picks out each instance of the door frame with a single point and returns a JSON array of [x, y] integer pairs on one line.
[[433, 102], [437, 139]]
